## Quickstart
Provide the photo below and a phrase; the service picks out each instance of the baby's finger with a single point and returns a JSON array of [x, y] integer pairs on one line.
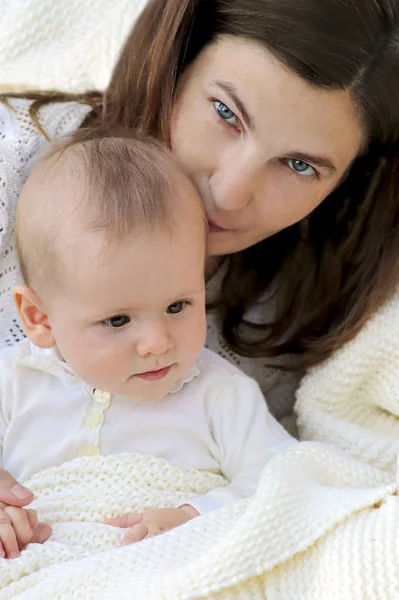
[[32, 518], [12, 492], [20, 524], [135, 534], [153, 529], [41, 533], [8, 537], [128, 521]]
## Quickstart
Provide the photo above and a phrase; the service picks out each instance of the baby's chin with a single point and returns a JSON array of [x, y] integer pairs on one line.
[[143, 391]]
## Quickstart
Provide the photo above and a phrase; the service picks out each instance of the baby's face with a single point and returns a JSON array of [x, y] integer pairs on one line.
[[131, 319]]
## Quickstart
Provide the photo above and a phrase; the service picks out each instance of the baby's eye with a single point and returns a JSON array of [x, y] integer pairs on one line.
[[117, 321], [176, 307]]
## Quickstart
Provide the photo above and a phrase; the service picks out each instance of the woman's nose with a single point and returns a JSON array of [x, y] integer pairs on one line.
[[154, 339], [234, 183]]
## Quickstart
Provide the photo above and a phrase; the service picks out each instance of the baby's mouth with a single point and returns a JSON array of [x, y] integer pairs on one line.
[[154, 375]]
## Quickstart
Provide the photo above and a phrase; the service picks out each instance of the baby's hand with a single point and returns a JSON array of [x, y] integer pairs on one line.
[[18, 528], [152, 522]]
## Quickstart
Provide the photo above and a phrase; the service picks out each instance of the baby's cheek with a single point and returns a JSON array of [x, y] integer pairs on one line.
[[196, 338], [97, 365], [109, 364]]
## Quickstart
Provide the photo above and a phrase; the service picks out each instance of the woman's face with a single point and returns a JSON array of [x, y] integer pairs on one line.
[[262, 145]]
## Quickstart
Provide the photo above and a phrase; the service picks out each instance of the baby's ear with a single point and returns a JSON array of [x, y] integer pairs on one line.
[[33, 316]]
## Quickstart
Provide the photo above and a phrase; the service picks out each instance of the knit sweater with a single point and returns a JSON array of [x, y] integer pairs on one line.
[[352, 400], [20, 145], [68, 46]]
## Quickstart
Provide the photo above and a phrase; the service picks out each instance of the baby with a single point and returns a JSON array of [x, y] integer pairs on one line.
[[111, 237]]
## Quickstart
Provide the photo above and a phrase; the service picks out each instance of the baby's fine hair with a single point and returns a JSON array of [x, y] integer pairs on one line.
[[126, 183]]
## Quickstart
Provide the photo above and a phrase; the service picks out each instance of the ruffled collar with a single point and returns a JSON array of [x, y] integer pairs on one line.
[[50, 361], [193, 372]]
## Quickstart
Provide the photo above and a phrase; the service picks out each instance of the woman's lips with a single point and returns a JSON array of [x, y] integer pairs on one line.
[[154, 375], [214, 227]]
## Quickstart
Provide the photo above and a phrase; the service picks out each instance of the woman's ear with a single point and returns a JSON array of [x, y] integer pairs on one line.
[[33, 316]]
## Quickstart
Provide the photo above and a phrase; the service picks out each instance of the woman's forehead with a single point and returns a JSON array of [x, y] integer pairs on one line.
[[282, 108]]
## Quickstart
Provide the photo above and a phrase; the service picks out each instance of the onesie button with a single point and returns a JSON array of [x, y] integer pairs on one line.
[[101, 397], [94, 420], [86, 450]]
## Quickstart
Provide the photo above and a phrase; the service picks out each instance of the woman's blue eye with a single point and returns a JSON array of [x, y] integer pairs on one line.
[[176, 307], [225, 113], [117, 321], [301, 167]]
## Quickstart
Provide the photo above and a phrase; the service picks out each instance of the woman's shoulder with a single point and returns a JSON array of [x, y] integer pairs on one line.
[[16, 128], [21, 142], [55, 118], [351, 400]]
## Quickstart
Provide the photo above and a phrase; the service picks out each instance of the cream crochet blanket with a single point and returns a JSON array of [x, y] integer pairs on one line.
[[62, 45], [311, 532]]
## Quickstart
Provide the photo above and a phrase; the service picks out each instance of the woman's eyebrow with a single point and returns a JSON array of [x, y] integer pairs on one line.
[[319, 161], [230, 90]]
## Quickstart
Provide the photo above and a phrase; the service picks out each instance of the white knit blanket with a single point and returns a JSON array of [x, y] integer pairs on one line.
[[62, 45], [276, 545]]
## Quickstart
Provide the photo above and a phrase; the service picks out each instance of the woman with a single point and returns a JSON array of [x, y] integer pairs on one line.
[[318, 236], [286, 116], [290, 133]]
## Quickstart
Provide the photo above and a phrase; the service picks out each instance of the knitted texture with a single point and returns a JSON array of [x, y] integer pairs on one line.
[[311, 511], [352, 400], [63, 46]]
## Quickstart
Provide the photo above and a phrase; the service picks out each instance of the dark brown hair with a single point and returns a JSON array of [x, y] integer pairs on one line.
[[334, 268]]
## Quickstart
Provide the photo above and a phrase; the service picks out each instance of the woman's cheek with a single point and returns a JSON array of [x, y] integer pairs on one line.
[[193, 140]]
